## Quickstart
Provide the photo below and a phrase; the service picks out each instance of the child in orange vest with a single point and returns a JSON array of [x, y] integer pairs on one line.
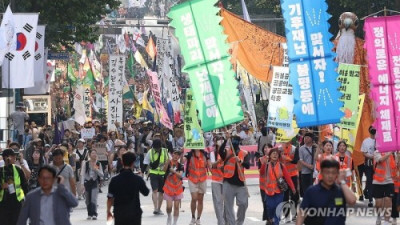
[[173, 186]]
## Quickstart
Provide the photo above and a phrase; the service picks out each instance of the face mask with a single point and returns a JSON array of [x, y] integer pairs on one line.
[[373, 131], [235, 143]]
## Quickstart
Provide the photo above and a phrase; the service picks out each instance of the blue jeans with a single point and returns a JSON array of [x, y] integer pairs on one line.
[[272, 202]]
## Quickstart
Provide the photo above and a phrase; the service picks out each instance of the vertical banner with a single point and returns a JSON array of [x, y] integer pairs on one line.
[[245, 81], [206, 56], [155, 89], [285, 62], [79, 116], [349, 78], [382, 44], [19, 65], [194, 138], [312, 68], [115, 86], [87, 102], [280, 108]]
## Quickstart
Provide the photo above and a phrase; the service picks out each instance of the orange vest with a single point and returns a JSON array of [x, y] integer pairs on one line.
[[396, 181], [271, 174], [173, 185], [322, 158], [218, 171], [291, 167], [346, 164], [263, 176], [198, 168], [230, 165], [380, 169]]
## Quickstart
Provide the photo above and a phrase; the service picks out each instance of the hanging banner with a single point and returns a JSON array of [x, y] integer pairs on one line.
[[79, 116], [381, 41], [349, 78], [206, 56], [194, 138], [286, 135], [176, 100], [155, 89], [257, 49], [19, 65], [312, 68], [285, 62], [349, 135], [87, 102], [246, 84], [115, 87], [280, 108]]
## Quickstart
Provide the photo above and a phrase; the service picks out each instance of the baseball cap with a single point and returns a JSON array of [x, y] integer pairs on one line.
[[8, 152], [82, 140]]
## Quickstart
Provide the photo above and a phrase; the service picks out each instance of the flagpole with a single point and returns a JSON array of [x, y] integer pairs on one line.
[[9, 100], [261, 99]]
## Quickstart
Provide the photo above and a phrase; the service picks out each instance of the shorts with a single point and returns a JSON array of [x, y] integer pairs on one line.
[[173, 198], [382, 190], [157, 182], [200, 187]]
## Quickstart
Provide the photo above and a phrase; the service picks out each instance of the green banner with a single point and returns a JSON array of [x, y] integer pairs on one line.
[[131, 64], [71, 74], [204, 48], [89, 80], [193, 133], [349, 78]]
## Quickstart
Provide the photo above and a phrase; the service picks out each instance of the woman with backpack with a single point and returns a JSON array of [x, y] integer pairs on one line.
[[276, 181], [91, 173]]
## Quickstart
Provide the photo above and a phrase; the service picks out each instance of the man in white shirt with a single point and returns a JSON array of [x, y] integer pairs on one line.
[[81, 154], [368, 148]]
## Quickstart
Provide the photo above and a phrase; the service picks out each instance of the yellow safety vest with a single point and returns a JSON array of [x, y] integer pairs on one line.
[[163, 160], [17, 184]]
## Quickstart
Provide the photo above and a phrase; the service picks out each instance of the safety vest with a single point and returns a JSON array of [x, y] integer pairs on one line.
[[163, 159], [291, 167], [173, 185], [271, 175], [197, 168], [346, 164], [218, 171], [230, 165], [380, 169], [17, 185], [263, 175], [322, 158]]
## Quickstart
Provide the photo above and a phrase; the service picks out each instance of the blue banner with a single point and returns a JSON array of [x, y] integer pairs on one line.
[[312, 66]]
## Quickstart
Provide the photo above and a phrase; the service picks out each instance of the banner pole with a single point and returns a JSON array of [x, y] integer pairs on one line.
[[9, 100]]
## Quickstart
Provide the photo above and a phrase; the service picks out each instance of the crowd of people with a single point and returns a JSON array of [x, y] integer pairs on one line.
[[36, 172]]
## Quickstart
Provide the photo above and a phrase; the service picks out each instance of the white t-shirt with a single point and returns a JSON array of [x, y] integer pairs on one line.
[[18, 164], [368, 146]]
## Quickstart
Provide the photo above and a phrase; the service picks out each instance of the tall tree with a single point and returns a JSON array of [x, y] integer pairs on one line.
[[67, 21]]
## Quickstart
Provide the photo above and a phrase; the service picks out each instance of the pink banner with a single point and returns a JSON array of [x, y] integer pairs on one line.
[[382, 44], [155, 89]]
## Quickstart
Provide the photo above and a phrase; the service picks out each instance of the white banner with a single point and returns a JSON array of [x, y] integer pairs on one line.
[[281, 102], [78, 106], [8, 34], [87, 102], [21, 61], [88, 133], [285, 62], [115, 86], [247, 84]]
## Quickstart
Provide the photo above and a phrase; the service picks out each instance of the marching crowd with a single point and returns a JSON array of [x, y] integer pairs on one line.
[[37, 173]]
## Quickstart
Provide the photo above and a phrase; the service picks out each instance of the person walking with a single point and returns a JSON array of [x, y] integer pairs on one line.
[[81, 154], [385, 172], [173, 187], [91, 173], [50, 204], [123, 194], [19, 117], [346, 162], [197, 164], [307, 161], [327, 148], [217, 178], [275, 176], [290, 160], [234, 180], [262, 162], [156, 158], [35, 163], [13, 186], [64, 170], [368, 148]]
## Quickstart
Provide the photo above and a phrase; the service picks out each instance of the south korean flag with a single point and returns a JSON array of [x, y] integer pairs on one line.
[[40, 65], [18, 66]]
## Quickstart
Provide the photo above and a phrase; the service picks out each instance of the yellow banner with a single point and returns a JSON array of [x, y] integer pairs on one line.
[[286, 135]]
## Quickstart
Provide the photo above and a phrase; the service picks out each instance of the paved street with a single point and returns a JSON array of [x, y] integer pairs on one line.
[[253, 215]]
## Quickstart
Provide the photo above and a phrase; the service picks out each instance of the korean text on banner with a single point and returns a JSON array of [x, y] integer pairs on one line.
[[194, 138], [87, 102], [164, 119], [115, 86], [21, 62], [205, 52], [349, 78], [384, 66], [312, 69], [280, 108], [78, 106]]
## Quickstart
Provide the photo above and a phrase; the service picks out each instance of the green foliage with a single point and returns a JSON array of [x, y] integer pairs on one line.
[[68, 21]]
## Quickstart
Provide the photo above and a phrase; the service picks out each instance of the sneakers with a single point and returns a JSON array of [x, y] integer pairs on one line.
[[89, 218], [94, 217], [198, 222], [370, 204], [378, 220], [158, 212], [169, 220], [394, 221], [193, 221]]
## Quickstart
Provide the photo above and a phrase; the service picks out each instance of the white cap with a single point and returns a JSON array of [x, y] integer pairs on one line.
[[82, 140]]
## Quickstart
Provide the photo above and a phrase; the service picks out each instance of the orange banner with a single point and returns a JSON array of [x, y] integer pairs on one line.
[[257, 49]]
